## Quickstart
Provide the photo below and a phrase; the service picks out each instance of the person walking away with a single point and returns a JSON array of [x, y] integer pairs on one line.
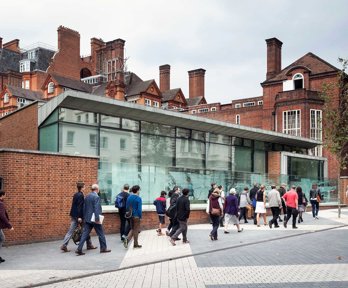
[[282, 191], [231, 211], [183, 214], [252, 196], [315, 198], [302, 203], [160, 204], [215, 211], [171, 213], [134, 203], [120, 203], [261, 205], [291, 201], [275, 203], [76, 216], [244, 201], [4, 221], [93, 219], [223, 196]]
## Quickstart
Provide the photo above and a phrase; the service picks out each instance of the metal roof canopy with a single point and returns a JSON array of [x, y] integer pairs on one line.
[[98, 104]]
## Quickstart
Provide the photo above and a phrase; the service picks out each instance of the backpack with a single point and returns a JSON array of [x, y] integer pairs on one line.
[[120, 201]]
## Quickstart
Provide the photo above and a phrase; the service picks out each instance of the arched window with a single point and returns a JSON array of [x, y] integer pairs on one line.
[[50, 88], [238, 119], [6, 98], [298, 81]]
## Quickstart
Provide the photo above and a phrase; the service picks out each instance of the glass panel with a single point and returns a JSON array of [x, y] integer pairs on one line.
[[182, 133], [198, 135], [190, 153], [157, 129], [110, 121], [237, 141], [218, 138], [259, 161], [243, 159], [157, 150], [130, 124], [247, 143], [259, 145], [49, 138], [84, 140], [218, 156], [77, 116]]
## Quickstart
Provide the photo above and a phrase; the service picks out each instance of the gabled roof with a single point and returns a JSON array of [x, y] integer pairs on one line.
[[72, 84], [170, 94], [195, 101], [310, 62], [136, 86], [24, 93]]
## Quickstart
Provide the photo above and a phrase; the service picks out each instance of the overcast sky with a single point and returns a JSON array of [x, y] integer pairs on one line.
[[224, 37]]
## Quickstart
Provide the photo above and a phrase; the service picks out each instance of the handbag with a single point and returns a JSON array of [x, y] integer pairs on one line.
[[129, 213], [76, 236], [318, 198], [215, 211]]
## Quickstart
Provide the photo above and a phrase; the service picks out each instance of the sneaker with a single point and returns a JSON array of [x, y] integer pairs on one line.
[[79, 253], [245, 222], [172, 241], [240, 230], [125, 243], [276, 226], [226, 232], [137, 246], [270, 224], [294, 227], [105, 250]]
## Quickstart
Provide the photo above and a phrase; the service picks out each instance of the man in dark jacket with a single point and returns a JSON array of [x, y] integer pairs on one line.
[[160, 204], [76, 214], [182, 214], [252, 196], [4, 221], [124, 222]]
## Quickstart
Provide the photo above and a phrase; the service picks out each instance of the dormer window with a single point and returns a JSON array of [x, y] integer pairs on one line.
[[50, 88], [298, 81], [6, 98]]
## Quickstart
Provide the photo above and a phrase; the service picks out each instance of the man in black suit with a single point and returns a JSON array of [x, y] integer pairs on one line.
[[76, 214]]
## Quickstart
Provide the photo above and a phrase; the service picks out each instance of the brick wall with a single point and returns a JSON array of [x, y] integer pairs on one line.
[[19, 129]]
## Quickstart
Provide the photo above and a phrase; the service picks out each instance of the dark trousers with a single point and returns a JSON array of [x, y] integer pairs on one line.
[[182, 229], [215, 220], [243, 211], [290, 212], [315, 207], [284, 208], [275, 214], [87, 228], [175, 226], [134, 231], [124, 223]]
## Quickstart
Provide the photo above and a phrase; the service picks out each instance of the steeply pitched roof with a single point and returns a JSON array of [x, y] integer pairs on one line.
[[194, 101], [9, 60], [72, 84], [24, 93], [313, 63], [100, 89], [170, 94], [134, 85]]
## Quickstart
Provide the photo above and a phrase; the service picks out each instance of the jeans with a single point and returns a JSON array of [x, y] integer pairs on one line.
[[215, 220], [134, 231], [315, 207], [87, 228], [2, 238], [124, 223], [73, 225], [182, 229], [275, 214]]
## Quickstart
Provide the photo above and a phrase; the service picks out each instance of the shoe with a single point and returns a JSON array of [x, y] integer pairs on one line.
[[79, 253], [91, 247], [240, 230], [64, 248], [245, 222], [226, 232], [167, 232], [258, 225], [280, 220], [270, 224], [137, 246], [178, 239], [2, 260], [294, 227], [105, 250], [285, 224], [316, 217], [299, 221], [211, 237], [172, 241], [215, 239], [125, 243], [276, 226], [185, 241]]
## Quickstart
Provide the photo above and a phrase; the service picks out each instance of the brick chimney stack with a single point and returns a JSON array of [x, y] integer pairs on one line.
[[119, 50], [274, 57], [164, 74], [196, 83]]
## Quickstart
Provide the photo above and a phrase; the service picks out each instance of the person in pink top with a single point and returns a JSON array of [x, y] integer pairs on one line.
[[291, 201]]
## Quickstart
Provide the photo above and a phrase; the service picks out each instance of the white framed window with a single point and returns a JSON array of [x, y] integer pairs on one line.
[[248, 104], [213, 109], [70, 138], [316, 130], [298, 81], [104, 142], [260, 102], [203, 110], [155, 104], [238, 119], [21, 102], [32, 54], [292, 122], [193, 112], [6, 98], [147, 102], [238, 105], [50, 88], [93, 140], [24, 66], [111, 69], [27, 84]]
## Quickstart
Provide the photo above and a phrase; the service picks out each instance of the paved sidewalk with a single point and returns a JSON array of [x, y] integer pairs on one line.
[[315, 255]]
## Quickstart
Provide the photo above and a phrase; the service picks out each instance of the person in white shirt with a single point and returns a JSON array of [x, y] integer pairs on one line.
[[275, 203]]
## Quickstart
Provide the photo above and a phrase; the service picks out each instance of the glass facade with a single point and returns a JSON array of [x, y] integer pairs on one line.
[[158, 157]]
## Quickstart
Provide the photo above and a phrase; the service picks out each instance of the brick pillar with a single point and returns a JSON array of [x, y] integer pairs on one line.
[[274, 57], [164, 74], [196, 83]]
